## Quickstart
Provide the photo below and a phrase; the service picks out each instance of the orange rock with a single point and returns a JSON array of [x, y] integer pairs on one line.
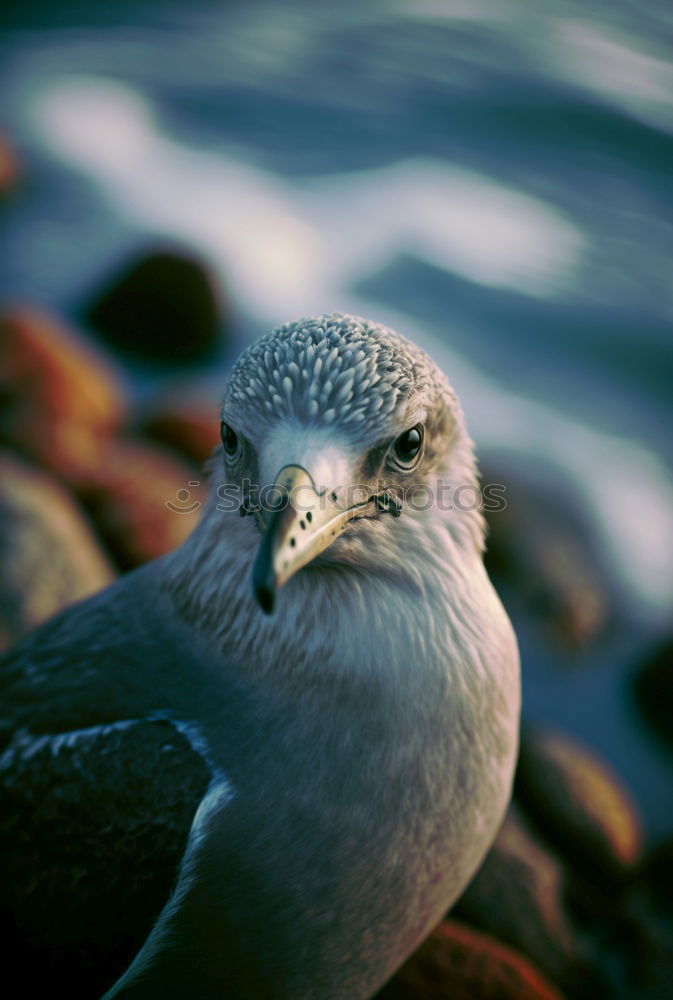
[[143, 500], [518, 895], [9, 166], [50, 556], [59, 399], [192, 428], [579, 802], [460, 963]]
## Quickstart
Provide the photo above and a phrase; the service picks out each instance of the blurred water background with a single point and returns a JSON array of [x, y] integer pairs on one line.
[[492, 178]]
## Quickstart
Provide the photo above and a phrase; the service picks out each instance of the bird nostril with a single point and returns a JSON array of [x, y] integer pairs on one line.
[[293, 542]]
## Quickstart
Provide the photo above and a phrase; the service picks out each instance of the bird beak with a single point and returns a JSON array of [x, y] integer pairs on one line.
[[302, 525]]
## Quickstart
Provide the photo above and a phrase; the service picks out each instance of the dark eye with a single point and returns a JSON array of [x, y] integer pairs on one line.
[[407, 448], [229, 439]]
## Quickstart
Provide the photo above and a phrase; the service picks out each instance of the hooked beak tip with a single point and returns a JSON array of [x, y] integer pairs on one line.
[[263, 576], [266, 597]]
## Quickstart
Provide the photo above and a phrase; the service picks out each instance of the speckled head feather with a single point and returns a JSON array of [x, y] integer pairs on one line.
[[331, 369]]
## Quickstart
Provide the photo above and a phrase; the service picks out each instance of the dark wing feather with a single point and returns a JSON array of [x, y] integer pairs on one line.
[[92, 830], [98, 789]]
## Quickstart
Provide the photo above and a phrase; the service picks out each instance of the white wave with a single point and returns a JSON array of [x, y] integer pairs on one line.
[[598, 58]]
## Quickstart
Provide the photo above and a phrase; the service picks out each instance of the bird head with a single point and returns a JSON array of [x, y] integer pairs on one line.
[[334, 430]]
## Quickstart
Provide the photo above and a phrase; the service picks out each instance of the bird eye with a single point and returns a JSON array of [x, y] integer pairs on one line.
[[407, 448], [229, 439]]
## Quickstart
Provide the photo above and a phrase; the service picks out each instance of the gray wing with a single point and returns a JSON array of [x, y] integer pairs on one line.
[[94, 817]]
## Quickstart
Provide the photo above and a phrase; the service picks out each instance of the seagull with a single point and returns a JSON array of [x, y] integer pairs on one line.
[[267, 763]]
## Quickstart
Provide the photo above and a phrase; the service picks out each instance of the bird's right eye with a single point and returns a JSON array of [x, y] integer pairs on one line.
[[229, 439], [407, 447]]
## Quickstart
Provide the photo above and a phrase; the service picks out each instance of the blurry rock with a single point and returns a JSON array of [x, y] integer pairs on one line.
[[9, 167], [518, 896], [189, 426], [654, 690], [49, 556], [651, 948], [459, 963], [648, 939], [59, 399], [61, 405], [143, 500], [579, 803], [540, 553], [162, 307], [658, 873]]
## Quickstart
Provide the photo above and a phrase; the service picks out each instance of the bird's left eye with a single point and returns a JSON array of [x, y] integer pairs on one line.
[[408, 446], [229, 439]]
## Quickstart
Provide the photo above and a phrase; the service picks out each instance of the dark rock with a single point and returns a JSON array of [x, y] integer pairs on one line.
[[161, 308], [59, 399], [647, 939], [49, 556], [651, 946], [541, 555], [654, 690], [579, 803], [658, 874], [460, 963], [518, 896], [143, 500]]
